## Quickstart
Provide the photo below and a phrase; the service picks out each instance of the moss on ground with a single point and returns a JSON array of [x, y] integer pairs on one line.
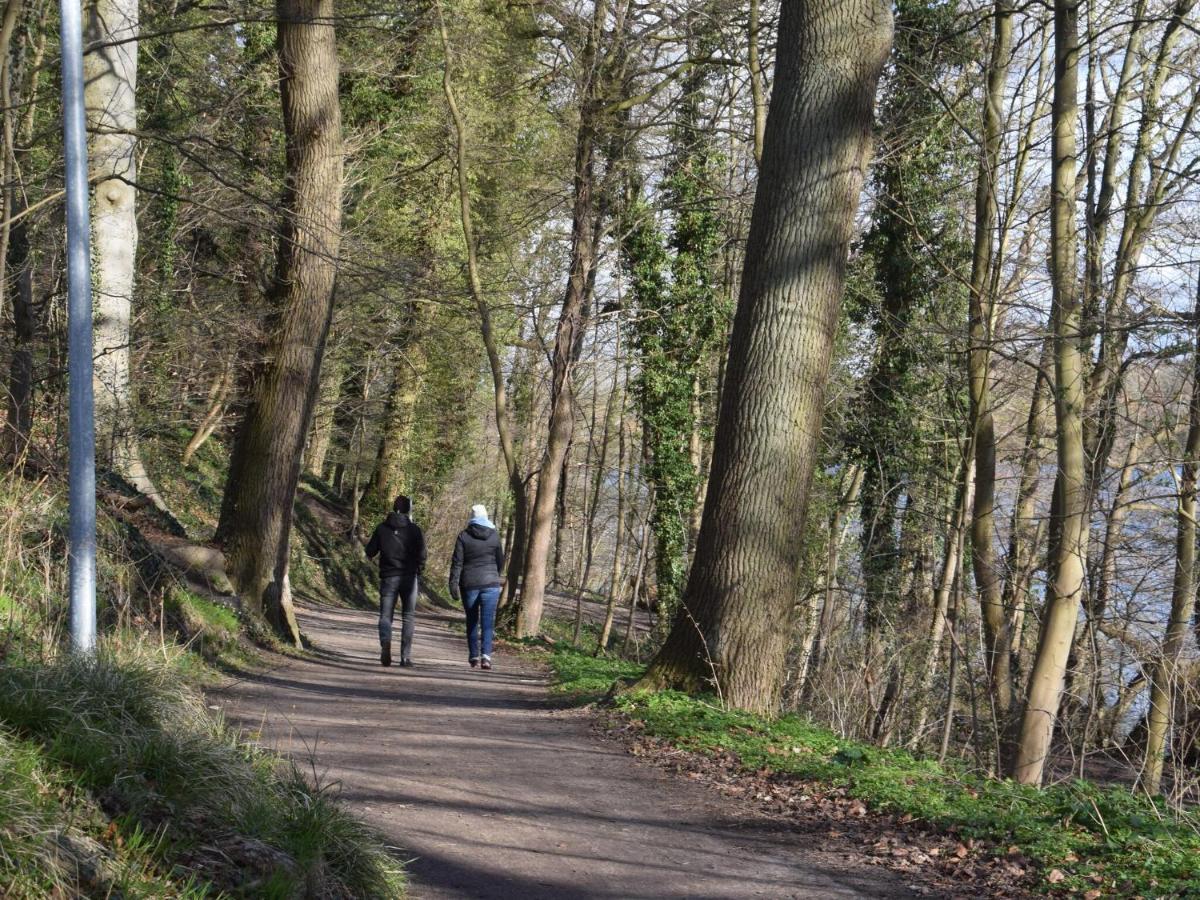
[[1096, 836]]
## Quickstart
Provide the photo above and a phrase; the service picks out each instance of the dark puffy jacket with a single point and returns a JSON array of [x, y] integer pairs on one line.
[[478, 560], [400, 544]]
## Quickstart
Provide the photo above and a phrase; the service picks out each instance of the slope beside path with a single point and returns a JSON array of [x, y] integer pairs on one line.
[[491, 793]]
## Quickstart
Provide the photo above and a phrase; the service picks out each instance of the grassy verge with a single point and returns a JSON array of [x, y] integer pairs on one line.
[[114, 779], [1095, 838]]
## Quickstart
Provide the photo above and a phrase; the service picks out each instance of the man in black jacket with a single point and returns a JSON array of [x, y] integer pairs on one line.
[[400, 545], [475, 580]]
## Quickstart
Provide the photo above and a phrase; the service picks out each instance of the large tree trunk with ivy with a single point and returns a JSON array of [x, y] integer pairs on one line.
[[675, 330], [734, 623], [257, 513], [110, 97], [1070, 530]]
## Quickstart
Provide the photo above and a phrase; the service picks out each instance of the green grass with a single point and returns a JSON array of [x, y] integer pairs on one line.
[[1099, 837], [181, 797]]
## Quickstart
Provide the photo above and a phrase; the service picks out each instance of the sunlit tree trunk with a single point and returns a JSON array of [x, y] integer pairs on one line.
[[1183, 592], [1069, 557], [734, 622], [996, 618], [504, 427], [256, 517], [569, 334], [110, 97]]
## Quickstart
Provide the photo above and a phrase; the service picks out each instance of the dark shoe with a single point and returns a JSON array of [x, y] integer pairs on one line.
[[406, 663], [474, 662], [485, 664], [385, 654]]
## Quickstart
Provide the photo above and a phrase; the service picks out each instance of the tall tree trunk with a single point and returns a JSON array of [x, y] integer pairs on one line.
[[1183, 592], [504, 428], [816, 639], [951, 564], [617, 573], [996, 618], [399, 413], [320, 436], [217, 397], [256, 517], [568, 338], [18, 260], [110, 97], [758, 87], [1066, 582], [734, 620], [1026, 530]]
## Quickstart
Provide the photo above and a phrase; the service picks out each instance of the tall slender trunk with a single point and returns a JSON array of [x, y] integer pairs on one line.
[[951, 562], [110, 96], [256, 517], [19, 261], [568, 338], [1066, 583], [217, 396], [758, 87], [734, 620], [814, 648], [589, 529], [512, 464], [1026, 530], [399, 413], [617, 572], [639, 577], [996, 619], [1164, 672], [320, 436]]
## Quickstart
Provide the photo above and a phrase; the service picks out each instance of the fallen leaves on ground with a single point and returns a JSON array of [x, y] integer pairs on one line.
[[937, 861]]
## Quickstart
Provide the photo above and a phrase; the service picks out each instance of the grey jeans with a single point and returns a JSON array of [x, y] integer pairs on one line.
[[404, 589]]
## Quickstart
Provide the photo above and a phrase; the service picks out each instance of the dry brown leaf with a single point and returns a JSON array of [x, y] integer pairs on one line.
[[1055, 876]]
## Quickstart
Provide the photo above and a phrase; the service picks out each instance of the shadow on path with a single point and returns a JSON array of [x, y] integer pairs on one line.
[[490, 793]]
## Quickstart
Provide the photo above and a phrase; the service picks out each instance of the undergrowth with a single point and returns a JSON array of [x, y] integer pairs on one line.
[[1093, 835], [119, 780]]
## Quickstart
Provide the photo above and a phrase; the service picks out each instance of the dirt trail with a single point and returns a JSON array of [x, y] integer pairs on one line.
[[493, 794]]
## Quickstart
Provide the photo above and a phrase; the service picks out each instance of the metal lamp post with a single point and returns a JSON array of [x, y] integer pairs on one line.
[[81, 418]]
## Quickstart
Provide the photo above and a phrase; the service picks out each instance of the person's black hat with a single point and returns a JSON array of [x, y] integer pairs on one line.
[[402, 504]]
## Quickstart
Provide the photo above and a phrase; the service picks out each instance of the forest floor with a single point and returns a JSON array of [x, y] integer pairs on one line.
[[489, 789]]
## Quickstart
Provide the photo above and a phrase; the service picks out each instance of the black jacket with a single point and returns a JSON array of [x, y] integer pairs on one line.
[[400, 544], [478, 560]]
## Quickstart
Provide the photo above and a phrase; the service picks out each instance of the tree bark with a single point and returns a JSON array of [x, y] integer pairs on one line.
[[1164, 673], [504, 429], [217, 398], [1066, 582], [813, 649], [320, 436], [388, 476], [568, 338], [996, 618], [733, 625], [256, 517], [110, 98]]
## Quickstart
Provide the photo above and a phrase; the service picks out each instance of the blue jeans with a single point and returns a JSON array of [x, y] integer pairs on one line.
[[404, 588], [480, 604]]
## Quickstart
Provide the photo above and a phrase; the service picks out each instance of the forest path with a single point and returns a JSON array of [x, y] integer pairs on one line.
[[492, 793]]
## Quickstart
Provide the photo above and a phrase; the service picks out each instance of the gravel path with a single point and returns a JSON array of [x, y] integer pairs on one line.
[[491, 793]]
